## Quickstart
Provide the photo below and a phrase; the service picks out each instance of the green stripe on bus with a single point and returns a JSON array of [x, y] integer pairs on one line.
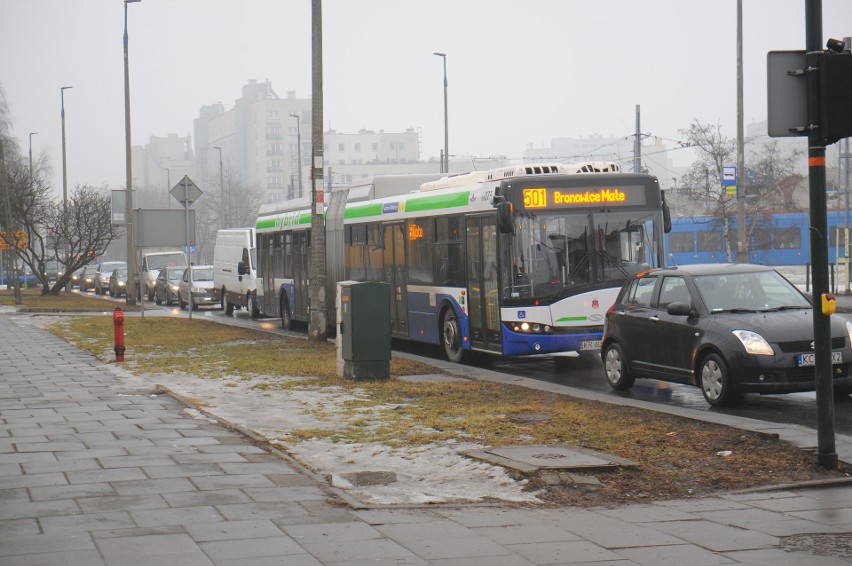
[[439, 201], [572, 319], [363, 210]]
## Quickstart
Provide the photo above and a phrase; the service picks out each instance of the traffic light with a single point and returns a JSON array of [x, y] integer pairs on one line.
[[835, 85]]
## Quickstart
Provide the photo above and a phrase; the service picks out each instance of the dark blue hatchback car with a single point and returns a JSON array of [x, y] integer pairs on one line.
[[726, 328]]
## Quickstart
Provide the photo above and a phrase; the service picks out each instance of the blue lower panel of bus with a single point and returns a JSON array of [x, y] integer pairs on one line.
[[423, 317], [523, 344]]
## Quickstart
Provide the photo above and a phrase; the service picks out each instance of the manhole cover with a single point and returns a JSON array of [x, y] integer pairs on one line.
[[550, 457]]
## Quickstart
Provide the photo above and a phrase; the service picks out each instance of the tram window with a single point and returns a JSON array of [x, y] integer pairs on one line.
[[788, 238], [680, 242], [709, 242], [762, 239]]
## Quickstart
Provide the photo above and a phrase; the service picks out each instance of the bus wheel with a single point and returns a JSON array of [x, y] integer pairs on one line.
[[286, 321], [451, 336], [251, 305], [226, 306]]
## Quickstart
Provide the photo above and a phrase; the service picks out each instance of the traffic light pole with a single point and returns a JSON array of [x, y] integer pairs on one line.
[[826, 451]]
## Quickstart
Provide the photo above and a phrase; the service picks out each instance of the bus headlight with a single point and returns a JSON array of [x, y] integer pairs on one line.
[[531, 328]]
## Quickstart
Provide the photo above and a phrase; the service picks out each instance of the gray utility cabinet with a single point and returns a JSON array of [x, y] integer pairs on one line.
[[365, 329]]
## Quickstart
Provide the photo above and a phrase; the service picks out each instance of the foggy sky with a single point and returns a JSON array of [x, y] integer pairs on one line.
[[519, 72]]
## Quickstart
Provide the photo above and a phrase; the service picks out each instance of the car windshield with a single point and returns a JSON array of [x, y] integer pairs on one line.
[[121, 272], [108, 267], [755, 291], [202, 274]]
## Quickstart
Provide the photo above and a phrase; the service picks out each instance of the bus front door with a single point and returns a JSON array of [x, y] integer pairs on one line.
[[483, 285], [394, 260]]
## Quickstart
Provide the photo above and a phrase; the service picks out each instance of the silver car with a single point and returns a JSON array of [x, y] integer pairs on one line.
[[103, 273], [202, 287]]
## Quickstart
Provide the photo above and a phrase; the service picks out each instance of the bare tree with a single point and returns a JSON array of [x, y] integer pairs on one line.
[[68, 238], [235, 207], [769, 179]]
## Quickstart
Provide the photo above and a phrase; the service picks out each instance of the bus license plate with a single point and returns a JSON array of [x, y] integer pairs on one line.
[[590, 345], [808, 359]]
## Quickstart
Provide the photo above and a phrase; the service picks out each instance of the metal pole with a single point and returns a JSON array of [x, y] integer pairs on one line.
[[299, 149], [826, 454], [222, 190], [132, 276], [64, 169], [318, 322], [188, 248], [637, 146], [742, 248], [446, 117]]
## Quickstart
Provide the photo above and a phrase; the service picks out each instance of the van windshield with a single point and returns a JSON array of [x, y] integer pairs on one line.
[[165, 260]]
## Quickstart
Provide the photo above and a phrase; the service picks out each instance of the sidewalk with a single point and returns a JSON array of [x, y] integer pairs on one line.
[[95, 470]]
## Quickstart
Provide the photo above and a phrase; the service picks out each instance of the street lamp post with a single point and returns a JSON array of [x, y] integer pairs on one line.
[[64, 169], [31, 150], [299, 148], [132, 276], [225, 205], [446, 164]]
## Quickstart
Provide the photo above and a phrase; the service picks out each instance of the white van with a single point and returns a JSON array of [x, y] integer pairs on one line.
[[152, 263], [235, 270]]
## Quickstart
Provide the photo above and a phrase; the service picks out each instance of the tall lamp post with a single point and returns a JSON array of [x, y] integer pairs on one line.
[[31, 150], [225, 205], [446, 164], [64, 169], [299, 148], [132, 276]]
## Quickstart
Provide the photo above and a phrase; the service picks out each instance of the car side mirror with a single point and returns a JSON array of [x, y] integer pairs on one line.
[[241, 268], [680, 309]]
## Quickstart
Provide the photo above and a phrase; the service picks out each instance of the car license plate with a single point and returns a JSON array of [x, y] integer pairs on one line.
[[590, 345], [808, 359]]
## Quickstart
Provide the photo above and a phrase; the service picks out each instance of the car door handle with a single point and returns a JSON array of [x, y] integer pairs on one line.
[[654, 318]]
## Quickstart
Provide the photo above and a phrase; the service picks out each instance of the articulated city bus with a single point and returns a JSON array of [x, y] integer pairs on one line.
[[517, 261]]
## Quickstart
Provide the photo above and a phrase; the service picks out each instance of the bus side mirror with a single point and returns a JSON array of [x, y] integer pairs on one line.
[[506, 217], [667, 218]]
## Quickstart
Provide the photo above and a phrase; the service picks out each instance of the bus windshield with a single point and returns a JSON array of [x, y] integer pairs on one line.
[[555, 252]]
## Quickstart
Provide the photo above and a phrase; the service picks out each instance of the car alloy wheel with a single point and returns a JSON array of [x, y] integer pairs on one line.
[[615, 366], [715, 381]]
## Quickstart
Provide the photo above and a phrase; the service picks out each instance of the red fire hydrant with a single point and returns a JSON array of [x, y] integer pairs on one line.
[[118, 332]]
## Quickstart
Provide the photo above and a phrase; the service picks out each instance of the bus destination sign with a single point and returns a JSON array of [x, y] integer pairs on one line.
[[540, 197]]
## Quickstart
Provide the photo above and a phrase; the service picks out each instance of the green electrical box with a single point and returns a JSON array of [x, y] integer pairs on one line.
[[365, 330]]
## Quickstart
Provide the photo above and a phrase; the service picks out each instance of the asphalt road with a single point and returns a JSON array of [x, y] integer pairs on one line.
[[585, 372]]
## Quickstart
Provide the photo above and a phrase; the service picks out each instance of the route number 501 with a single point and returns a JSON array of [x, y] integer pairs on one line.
[[535, 198]]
